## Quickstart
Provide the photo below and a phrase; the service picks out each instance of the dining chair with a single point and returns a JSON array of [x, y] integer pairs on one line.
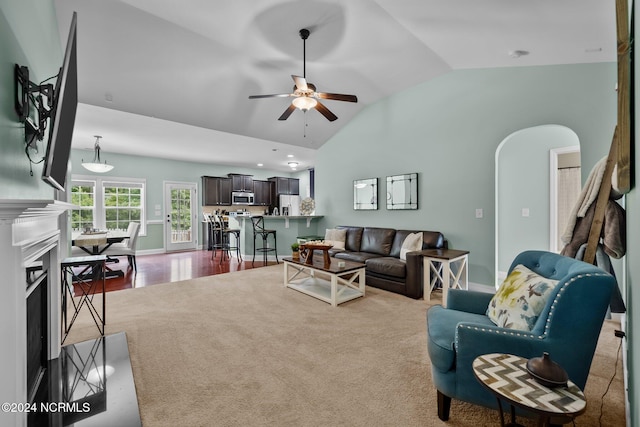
[[128, 247]]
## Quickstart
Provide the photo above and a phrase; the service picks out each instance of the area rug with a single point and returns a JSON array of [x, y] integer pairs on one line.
[[240, 349]]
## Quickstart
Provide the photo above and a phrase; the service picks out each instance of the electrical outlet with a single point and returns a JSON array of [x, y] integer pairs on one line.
[[479, 213]]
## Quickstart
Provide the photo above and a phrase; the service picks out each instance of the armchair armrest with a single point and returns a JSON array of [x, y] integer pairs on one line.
[[468, 301], [473, 340]]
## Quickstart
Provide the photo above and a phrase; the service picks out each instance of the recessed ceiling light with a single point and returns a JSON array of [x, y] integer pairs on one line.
[[289, 155], [293, 164], [260, 164], [518, 53]]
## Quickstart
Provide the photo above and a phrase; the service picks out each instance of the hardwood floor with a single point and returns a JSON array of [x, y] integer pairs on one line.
[[172, 267]]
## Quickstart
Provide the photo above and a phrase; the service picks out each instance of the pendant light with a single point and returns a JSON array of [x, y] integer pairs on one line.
[[96, 165]]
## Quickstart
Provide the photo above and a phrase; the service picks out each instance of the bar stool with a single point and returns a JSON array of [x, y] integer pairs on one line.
[[259, 230], [224, 233], [213, 231]]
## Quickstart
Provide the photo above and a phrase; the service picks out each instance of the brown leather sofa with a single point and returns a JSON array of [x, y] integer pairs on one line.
[[379, 250]]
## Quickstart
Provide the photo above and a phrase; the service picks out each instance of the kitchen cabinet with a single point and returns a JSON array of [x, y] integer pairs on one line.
[[216, 191], [284, 185], [242, 183], [262, 192]]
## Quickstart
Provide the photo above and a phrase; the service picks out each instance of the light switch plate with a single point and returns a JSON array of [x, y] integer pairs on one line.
[[479, 213]]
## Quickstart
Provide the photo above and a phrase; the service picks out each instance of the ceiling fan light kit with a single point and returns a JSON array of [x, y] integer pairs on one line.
[[305, 95]]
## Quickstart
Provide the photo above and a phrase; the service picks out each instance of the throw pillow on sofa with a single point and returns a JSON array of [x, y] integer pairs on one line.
[[520, 299], [335, 237], [413, 242]]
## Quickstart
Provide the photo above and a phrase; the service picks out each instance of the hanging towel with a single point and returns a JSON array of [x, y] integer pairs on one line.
[[588, 195], [614, 231]]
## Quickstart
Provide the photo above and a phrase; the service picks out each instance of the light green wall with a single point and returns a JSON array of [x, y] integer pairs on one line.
[[156, 172], [523, 163], [448, 130], [28, 36]]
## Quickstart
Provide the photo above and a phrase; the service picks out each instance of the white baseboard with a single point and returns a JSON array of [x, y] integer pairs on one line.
[[479, 287]]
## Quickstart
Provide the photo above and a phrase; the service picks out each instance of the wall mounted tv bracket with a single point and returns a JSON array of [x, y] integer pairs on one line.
[[24, 98]]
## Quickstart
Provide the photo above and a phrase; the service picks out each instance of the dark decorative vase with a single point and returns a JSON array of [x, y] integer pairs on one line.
[[547, 372]]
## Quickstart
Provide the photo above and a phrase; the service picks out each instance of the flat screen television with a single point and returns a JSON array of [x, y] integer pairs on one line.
[[63, 116]]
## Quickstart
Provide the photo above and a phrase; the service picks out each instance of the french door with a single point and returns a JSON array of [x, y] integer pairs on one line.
[[181, 217]]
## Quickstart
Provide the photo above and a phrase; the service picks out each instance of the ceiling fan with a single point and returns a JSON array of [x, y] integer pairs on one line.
[[304, 94]]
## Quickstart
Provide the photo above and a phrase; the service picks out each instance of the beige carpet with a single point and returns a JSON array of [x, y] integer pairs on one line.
[[239, 349]]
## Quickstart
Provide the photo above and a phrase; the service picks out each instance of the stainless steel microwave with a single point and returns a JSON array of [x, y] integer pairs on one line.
[[239, 198]]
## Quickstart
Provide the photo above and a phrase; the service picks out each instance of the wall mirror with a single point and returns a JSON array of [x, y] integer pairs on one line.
[[365, 194], [402, 191]]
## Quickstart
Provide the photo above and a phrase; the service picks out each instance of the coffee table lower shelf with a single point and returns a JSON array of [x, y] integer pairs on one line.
[[333, 287]]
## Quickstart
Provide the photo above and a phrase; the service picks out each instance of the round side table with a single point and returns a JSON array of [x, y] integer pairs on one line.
[[506, 376]]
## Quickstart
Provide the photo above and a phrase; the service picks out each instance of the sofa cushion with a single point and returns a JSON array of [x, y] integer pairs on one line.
[[520, 299], [413, 242], [441, 333], [430, 240], [377, 240], [354, 236], [336, 237], [388, 266], [355, 256]]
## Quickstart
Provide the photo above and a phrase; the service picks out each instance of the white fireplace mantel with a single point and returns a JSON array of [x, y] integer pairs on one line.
[[30, 230]]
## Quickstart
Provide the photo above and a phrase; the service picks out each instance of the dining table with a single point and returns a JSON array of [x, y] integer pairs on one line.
[[96, 242]]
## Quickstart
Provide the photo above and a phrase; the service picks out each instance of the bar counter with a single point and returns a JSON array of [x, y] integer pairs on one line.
[[288, 229]]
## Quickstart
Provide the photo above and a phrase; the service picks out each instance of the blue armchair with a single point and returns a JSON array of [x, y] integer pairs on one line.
[[568, 328]]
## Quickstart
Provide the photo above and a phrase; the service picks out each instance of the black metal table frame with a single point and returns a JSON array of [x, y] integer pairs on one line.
[[97, 250], [87, 286]]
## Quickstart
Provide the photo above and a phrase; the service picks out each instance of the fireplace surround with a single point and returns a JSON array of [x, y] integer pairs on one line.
[[32, 234]]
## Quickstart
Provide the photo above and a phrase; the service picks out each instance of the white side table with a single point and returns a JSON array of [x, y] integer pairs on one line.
[[445, 266]]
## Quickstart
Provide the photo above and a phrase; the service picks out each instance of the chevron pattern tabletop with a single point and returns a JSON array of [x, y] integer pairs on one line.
[[506, 375]]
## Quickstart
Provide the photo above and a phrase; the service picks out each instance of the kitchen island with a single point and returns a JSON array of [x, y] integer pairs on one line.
[[288, 228]]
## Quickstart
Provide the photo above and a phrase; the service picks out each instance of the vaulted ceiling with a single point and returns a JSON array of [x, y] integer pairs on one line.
[[171, 79]]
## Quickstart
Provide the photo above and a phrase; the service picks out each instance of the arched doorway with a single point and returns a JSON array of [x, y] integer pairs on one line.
[[522, 191]]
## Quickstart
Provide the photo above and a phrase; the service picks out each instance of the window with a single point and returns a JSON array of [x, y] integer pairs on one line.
[[107, 203], [83, 195]]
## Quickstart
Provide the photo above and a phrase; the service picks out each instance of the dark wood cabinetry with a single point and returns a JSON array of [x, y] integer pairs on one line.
[[283, 185], [216, 191], [262, 192], [242, 183]]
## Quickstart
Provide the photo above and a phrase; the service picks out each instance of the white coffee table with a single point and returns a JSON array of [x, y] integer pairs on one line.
[[331, 282]]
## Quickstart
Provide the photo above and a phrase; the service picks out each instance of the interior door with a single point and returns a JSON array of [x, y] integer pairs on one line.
[[181, 218]]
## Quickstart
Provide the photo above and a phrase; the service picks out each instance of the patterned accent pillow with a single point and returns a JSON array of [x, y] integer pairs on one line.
[[520, 299]]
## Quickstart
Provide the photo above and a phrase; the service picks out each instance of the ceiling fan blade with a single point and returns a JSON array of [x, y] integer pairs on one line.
[[277, 95], [325, 112], [337, 96], [287, 112], [301, 82]]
